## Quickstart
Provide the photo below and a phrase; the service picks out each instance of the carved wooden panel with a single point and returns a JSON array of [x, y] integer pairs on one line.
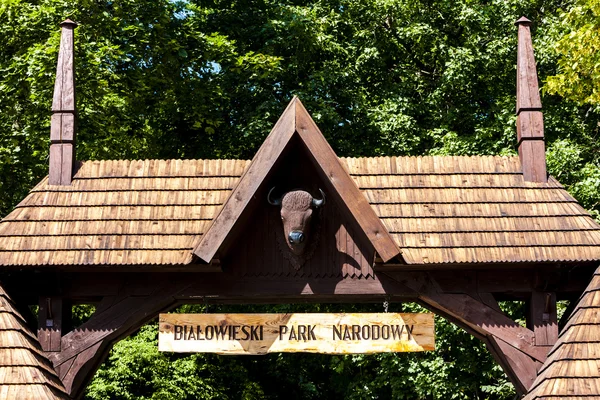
[[341, 249]]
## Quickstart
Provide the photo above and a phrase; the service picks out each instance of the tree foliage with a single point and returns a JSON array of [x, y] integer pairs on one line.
[[579, 51], [208, 79]]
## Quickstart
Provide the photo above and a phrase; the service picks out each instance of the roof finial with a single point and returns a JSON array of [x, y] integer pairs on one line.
[[64, 112], [530, 122]]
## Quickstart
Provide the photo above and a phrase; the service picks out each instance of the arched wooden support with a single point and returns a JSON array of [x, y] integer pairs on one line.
[[512, 345], [130, 300], [83, 349]]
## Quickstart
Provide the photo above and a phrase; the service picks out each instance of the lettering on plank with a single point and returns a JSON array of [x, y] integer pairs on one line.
[[315, 333]]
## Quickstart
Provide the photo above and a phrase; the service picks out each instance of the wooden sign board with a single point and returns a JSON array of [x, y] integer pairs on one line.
[[309, 333]]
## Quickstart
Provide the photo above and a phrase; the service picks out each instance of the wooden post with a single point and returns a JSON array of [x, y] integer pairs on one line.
[[542, 318], [50, 323], [530, 122], [63, 124]]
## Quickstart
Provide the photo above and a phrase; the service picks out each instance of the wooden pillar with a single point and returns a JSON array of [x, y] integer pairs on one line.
[[542, 319], [530, 122], [63, 123], [50, 323], [83, 349]]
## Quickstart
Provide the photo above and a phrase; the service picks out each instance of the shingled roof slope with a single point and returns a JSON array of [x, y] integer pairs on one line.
[[572, 370], [24, 371], [438, 209]]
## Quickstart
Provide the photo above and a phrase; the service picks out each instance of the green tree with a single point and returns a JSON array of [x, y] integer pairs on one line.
[[575, 158], [579, 54]]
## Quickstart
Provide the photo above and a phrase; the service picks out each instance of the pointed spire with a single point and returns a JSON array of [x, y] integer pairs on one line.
[[62, 127], [530, 122]]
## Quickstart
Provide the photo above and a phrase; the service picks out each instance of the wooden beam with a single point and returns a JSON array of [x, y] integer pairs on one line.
[[248, 185], [83, 348], [520, 368], [542, 318], [512, 345], [332, 171], [294, 120], [485, 320], [50, 323]]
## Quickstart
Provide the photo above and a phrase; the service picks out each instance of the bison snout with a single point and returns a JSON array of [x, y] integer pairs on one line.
[[296, 237]]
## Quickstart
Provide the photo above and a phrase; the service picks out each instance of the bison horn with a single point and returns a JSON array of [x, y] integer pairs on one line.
[[276, 202], [318, 203]]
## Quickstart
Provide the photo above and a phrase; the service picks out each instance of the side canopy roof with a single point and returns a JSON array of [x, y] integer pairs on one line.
[[413, 210]]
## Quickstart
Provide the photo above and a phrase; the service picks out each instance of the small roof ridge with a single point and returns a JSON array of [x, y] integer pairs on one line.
[[523, 21], [68, 22]]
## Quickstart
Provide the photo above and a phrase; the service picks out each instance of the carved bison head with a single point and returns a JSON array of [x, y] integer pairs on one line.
[[296, 213]]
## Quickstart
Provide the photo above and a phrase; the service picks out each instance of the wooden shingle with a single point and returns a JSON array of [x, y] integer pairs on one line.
[[25, 373], [439, 210], [572, 369]]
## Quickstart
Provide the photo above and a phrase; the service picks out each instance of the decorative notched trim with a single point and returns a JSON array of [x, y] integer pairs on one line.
[[295, 120]]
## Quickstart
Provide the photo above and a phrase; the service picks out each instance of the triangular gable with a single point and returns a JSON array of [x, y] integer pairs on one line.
[[295, 120]]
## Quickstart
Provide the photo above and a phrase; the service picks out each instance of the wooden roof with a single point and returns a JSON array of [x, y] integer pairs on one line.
[[572, 370], [438, 210], [25, 373], [295, 123]]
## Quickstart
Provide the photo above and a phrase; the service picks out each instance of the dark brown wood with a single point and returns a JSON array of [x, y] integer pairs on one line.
[[533, 158], [484, 319], [335, 246], [333, 171], [62, 128], [528, 96], [64, 86], [542, 319], [84, 347], [50, 323], [262, 163], [520, 368], [81, 368], [234, 213], [63, 123], [130, 299], [479, 314], [530, 124], [62, 159]]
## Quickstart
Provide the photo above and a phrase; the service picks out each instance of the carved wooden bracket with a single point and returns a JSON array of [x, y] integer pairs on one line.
[[84, 348], [513, 346]]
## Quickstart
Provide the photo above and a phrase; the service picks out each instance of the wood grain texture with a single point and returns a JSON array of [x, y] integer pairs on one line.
[[572, 367], [521, 369], [25, 372], [295, 119], [332, 170], [50, 323], [64, 86], [63, 122], [155, 211], [528, 96], [249, 183], [530, 125], [542, 319], [292, 333], [533, 157]]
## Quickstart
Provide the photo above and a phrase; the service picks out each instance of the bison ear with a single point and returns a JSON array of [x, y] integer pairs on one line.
[[273, 202], [319, 203]]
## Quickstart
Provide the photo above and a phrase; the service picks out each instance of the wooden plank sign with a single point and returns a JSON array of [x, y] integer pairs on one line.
[[309, 333]]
